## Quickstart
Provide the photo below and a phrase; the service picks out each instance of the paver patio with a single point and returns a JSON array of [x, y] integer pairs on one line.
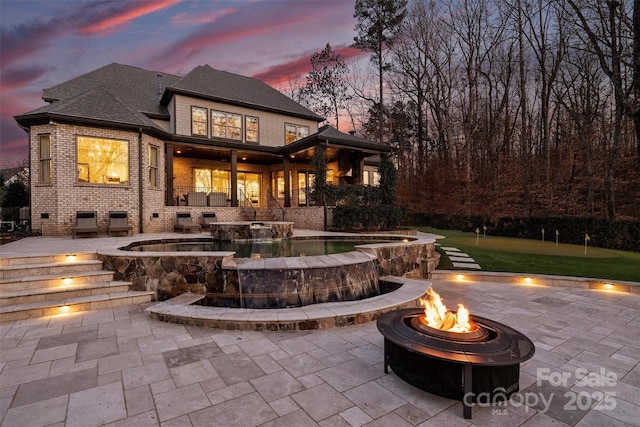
[[119, 367]]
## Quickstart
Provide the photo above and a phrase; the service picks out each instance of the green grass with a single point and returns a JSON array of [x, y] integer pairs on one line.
[[533, 256]]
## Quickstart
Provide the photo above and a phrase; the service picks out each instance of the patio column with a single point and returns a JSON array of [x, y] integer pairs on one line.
[[287, 182], [168, 168], [234, 178]]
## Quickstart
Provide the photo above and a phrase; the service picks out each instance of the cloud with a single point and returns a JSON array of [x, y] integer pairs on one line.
[[259, 20], [120, 14], [14, 78], [87, 19], [300, 66], [185, 19]]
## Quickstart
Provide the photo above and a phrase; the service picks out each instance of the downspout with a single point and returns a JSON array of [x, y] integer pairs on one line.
[[28, 130], [140, 182]]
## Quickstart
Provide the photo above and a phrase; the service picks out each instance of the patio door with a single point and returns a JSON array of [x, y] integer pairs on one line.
[[305, 184], [249, 185]]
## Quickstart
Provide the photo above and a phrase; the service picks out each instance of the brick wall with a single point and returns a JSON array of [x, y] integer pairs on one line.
[[61, 199]]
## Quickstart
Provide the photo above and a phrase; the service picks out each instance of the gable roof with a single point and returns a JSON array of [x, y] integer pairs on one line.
[[97, 105], [206, 82], [126, 95], [135, 87], [331, 135]]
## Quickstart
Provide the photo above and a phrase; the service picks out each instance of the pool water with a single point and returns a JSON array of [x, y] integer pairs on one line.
[[292, 247]]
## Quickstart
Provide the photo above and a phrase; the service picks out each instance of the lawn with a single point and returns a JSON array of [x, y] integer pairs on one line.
[[537, 257]]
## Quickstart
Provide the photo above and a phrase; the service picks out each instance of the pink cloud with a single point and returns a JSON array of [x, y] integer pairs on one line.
[[298, 67], [184, 19], [119, 18]]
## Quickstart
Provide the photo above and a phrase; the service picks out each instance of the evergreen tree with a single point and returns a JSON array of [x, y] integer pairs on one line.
[[378, 27]]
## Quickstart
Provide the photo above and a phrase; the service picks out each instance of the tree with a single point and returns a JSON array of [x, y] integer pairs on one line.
[[609, 35], [378, 26], [387, 180], [326, 87]]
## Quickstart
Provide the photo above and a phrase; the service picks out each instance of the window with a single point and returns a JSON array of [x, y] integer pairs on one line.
[[295, 132], [153, 166], [199, 121], [251, 129], [226, 125], [44, 176], [376, 178], [102, 161], [209, 180], [365, 177]]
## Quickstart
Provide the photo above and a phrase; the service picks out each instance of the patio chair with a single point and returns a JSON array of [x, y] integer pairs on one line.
[[196, 198], [86, 222], [119, 223], [217, 198], [207, 219], [184, 223]]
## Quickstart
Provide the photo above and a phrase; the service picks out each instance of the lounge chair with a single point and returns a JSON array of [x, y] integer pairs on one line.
[[86, 222], [207, 219], [119, 223], [184, 223]]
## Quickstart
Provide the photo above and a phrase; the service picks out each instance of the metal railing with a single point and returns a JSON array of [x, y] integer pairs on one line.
[[275, 207], [245, 203]]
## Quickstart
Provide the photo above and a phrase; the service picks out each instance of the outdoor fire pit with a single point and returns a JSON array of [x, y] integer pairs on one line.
[[453, 354]]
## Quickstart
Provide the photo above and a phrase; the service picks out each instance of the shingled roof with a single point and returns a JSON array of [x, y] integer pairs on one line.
[[135, 87], [204, 81], [131, 96]]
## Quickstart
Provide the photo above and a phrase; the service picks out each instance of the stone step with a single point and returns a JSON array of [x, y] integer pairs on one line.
[[27, 296], [60, 268], [54, 280], [72, 305], [47, 259]]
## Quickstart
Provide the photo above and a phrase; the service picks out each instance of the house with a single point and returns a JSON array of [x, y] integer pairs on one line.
[[153, 144]]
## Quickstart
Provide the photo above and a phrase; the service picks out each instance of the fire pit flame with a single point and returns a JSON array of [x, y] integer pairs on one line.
[[437, 316]]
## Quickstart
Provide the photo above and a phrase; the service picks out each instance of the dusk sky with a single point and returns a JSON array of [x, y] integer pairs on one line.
[[44, 43]]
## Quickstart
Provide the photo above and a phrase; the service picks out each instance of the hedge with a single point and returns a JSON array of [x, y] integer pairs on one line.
[[367, 218], [622, 235]]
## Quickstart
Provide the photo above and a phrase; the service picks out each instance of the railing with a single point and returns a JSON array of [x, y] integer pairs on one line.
[[275, 207], [245, 203]]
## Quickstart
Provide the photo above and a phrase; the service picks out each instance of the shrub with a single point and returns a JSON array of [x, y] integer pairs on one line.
[[367, 218]]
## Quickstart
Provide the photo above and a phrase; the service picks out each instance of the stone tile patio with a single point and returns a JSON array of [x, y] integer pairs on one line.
[[119, 367]]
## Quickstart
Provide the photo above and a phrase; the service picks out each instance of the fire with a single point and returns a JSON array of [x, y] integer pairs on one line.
[[437, 316]]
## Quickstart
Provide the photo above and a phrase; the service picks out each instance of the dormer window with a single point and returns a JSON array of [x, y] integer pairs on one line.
[[226, 125], [199, 121]]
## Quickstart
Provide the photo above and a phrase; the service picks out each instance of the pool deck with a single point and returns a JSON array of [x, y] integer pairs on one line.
[[120, 367]]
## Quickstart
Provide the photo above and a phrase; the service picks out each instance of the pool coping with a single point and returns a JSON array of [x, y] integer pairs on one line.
[[184, 310]]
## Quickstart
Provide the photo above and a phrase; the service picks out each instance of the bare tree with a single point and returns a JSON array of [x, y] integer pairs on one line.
[[326, 86], [610, 34]]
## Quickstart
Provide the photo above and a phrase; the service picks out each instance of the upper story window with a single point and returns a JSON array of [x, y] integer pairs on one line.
[[226, 125], [102, 161], [295, 132], [251, 129], [153, 166], [44, 174], [199, 121]]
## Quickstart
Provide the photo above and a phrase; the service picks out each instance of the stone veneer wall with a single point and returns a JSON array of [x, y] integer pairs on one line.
[[400, 259], [174, 274], [310, 218], [168, 276]]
